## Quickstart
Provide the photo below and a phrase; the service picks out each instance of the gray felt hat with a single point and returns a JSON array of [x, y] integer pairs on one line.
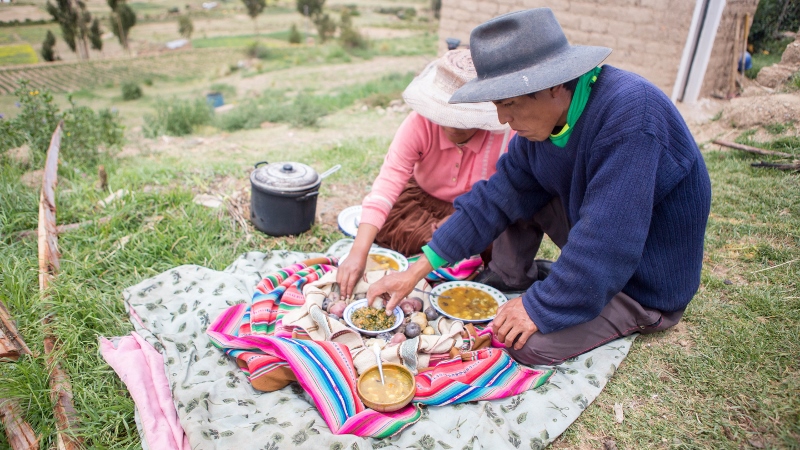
[[523, 52]]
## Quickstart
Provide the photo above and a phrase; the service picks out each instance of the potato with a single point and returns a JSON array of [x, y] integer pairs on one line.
[[398, 338], [377, 303], [420, 319], [337, 308], [428, 330], [410, 304], [431, 313], [413, 330]]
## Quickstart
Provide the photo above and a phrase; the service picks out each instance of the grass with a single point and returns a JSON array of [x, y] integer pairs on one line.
[[17, 54], [303, 109], [32, 34], [727, 378], [240, 41], [731, 383], [769, 55]]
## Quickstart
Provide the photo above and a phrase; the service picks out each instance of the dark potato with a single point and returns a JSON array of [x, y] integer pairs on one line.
[[431, 313], [412, 330]]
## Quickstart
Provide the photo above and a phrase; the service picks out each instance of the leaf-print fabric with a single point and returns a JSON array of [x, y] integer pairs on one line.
[[279, 416]]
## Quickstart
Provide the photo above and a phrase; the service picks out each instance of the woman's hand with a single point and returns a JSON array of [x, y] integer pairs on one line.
[[435, 226], [352, 268], [350, 271]]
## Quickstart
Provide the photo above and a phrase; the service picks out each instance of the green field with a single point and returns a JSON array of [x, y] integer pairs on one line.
[[17, 54]]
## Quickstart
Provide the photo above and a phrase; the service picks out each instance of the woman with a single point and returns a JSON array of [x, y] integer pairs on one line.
[[438, 153]]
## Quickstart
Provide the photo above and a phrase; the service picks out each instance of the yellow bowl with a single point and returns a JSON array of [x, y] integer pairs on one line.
[[398, 391]]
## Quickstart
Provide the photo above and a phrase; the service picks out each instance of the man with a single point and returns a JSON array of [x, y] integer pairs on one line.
[[605, 165]]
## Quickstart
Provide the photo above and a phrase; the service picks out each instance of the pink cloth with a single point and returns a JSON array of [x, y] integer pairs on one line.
[[141, 368], [441, 168]]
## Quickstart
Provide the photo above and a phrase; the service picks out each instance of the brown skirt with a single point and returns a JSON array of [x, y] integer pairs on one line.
[[410, 223]]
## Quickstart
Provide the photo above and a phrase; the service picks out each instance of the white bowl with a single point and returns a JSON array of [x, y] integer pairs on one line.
[[441, 288], [349, 220], [350, 309]]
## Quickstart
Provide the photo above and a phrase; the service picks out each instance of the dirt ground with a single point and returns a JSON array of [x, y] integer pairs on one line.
[[11, 13]]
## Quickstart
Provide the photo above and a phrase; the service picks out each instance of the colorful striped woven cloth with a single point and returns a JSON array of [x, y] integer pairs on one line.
[[459, 271], [485, 374], [256, 336]]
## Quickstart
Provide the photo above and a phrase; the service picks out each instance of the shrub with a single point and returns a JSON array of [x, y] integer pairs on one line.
[[185, 26], [258, 50], [131, 91], [326, 27], [85, 130], [436, 7], [294, 35], [177, 117], [348, 35], [48, 47], [401, 12]]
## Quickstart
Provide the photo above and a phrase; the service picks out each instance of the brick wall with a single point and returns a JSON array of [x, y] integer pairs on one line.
[[647, 36]]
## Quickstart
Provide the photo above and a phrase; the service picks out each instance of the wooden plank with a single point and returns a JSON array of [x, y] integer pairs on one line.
[[11, 343], [20, 434], [749, 149], [49, 257]]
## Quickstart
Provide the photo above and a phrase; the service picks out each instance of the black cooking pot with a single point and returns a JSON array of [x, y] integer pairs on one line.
[[283, 196]]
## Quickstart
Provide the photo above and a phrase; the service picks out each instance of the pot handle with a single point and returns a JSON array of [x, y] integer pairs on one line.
[[303, 198], [260, 163], [330, 171]]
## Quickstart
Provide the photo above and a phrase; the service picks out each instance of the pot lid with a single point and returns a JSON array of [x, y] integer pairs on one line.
[[284, 177]]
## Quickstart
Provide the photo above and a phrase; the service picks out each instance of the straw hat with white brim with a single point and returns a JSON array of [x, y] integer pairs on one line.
[[428, 94]]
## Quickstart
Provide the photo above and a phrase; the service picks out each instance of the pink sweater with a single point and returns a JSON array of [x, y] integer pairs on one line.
[[441, 168]]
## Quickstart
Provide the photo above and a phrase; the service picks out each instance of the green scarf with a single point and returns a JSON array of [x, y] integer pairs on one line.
[[579, 99]]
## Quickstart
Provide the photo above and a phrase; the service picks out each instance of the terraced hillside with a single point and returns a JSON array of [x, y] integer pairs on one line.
[[72, 75]]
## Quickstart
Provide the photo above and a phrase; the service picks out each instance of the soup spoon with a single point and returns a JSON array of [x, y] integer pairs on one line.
[[377, 351], [431, 293]]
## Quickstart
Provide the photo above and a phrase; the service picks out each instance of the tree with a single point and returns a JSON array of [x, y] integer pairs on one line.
[[772, 17], [48, 51], [73, 19], [348, 35], [310, 8], [294, 35], [122, 20], [254, 8], [326, 27], [436, 7], [95, 36], [185, 26]]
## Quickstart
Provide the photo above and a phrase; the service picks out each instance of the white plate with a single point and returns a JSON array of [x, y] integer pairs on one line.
[[497, 295], [352, 307], [349, 219], [401, 260]]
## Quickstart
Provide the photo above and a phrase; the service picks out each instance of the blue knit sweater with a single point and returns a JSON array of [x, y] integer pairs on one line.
[[635, 189]]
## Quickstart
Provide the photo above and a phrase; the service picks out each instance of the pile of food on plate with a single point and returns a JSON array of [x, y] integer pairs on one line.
[[463, 300]]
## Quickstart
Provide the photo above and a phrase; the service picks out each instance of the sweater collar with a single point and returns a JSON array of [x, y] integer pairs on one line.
[[579, 99]]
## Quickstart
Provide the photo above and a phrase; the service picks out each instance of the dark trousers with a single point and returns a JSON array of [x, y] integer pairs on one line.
[[513, 253]]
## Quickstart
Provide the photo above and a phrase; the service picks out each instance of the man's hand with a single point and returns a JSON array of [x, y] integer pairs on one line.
[[512, 323], [398, 285]]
